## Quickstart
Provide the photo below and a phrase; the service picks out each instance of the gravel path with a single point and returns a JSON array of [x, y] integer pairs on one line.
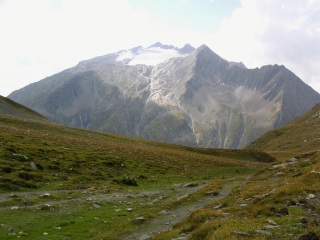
[[169, 219]]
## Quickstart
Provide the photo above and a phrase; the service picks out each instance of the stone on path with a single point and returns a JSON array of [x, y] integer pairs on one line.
[[139, 220], [96, 205], [241, 234], [145, 237], [217, 206], [263, 232]]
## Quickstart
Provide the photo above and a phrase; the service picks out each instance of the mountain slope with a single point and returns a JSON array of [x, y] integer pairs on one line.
[[300, 135], [9, 107], [195, 98]]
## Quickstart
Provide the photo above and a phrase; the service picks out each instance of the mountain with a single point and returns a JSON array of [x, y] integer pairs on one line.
[[300, 135], [9, 107], [185, 96]]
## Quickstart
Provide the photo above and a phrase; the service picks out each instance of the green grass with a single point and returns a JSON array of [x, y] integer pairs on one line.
[[80, 168], [93, 178], [266, 193]]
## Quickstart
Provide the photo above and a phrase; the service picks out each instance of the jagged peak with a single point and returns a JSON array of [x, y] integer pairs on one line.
[[203, 47], [206, 52], [160, 45], [187, 48], [238, 64]]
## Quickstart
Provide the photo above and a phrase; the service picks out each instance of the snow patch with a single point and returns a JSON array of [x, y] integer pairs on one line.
[[149, 56]]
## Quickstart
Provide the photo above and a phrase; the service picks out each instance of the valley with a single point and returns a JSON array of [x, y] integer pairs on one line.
[[59, 182], [67, 183]]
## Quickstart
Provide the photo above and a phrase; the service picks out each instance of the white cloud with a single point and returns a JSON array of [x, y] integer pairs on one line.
[[274, 32], [39, 39], [42, 37]]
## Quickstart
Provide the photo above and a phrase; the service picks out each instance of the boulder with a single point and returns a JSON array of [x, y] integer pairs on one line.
[[139, 220], [241, 234]]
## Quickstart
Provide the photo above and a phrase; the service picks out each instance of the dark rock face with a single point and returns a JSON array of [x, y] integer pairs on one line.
[[196, 99]]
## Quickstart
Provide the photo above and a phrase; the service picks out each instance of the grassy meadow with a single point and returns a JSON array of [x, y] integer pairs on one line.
[[65, 183]]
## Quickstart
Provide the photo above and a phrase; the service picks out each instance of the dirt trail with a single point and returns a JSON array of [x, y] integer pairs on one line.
[[151, 228], [166, 222], [94, 196]]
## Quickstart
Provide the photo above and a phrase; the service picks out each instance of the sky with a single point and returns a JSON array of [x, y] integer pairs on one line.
[[42, 37]]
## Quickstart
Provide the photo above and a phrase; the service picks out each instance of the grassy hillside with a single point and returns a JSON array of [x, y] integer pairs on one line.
[[281, 201], [64, 183], [69, 183], [7, 106], [300, 135]]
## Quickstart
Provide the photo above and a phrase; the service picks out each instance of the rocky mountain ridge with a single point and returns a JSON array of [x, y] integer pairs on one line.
[[191, 97]]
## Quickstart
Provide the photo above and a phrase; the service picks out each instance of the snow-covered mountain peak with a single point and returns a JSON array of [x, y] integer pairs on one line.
[[152, 55]]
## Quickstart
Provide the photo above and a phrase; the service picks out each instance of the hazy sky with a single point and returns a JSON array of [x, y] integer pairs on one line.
[[42, 37]]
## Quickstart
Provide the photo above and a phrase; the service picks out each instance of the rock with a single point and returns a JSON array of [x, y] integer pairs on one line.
[[45, 195], [279, 173], [145, 237], [14, 208], [13, 235], [309, 236], [45, 234], [163, 212], [177, 185], [217, 206], [270, 227], [96, 205], [263, 232], [293, 159], [139, 220], [243, 205], [191, 185], [212, 193], [311, 196], [33, 166], [241, 234], [270, 221], [180, 238], [181, 197], [21, 233], [57, 228], [129, 209], [20, 157]]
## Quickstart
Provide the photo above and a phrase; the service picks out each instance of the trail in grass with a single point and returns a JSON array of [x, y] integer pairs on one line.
[[166, 221]]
